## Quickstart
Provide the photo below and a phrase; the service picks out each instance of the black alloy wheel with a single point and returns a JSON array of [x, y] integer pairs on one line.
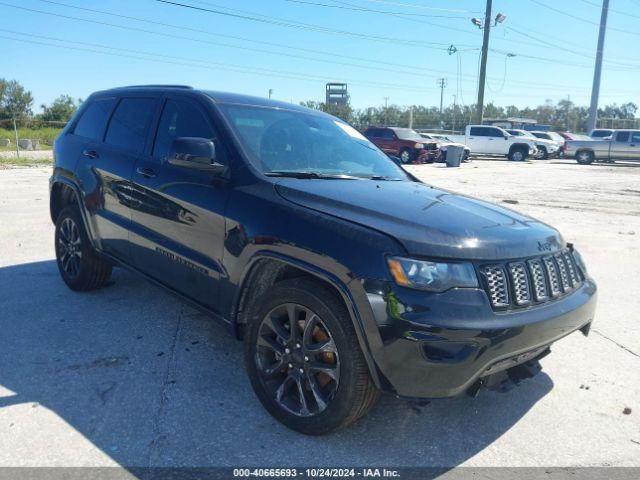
[[69, 247], [304, 359], [79, 264], [297, 360]]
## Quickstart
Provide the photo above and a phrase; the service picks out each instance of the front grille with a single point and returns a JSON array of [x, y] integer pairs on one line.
[[533, 281], [496, 286]]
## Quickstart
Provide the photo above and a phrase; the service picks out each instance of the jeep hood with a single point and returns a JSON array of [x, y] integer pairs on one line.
[[427, 221]]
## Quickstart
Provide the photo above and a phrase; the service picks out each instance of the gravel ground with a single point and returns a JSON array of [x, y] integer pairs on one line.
[[130, 376], [28, 154]]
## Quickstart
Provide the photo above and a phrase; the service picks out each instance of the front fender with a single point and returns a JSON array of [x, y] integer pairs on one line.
[[352, 294]]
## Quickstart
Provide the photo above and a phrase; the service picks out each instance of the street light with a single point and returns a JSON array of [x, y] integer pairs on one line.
[[486, 26], [499, 19]]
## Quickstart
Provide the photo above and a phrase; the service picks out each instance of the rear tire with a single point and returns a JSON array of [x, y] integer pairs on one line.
[[78, 264], [585, 157], [287, 371]]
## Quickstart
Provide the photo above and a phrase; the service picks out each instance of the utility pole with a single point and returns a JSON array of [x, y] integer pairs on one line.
[[483, 64], [15, 133], [270, 92], [595, 91], [442, 83], [386, 111], [455, 106]]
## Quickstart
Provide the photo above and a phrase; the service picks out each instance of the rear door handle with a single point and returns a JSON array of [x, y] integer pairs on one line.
[[90, 154], [146, 172]]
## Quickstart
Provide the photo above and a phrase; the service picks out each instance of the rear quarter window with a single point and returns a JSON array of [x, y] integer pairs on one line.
[[94, 118]]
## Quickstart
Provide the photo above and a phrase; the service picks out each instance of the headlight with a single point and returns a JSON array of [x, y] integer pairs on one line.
[[418, 146], [431, 276]]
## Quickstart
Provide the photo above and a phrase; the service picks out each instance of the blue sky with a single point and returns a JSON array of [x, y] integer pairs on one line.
[[399, 55]]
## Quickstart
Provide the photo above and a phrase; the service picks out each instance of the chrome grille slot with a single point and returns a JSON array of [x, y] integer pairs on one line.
[[520, 283], [564, 273], [571, 268], [540, 290], [496, 285], [554, 279]]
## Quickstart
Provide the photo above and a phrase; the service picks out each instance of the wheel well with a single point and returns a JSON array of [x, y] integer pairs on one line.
[[584, 150], [264, 275], [518, 146], [62, 195]]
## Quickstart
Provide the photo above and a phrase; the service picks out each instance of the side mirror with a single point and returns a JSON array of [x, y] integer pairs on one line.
[[196, 153]]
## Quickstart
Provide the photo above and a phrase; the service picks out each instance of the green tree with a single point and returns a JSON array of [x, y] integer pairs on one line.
[[60, 110], [15, 101]]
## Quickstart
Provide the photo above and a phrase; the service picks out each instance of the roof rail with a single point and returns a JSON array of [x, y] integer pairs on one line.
[[187, 87]]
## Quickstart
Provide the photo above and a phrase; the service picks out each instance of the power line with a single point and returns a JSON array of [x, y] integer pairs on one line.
[[303, 26], [421, 7], [175, 60], [584, 20], [372, 10], [611, 10], [413, 69], [560, 47], [408, 17]]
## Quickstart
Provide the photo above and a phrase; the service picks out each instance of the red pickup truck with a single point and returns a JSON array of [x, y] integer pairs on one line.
[[404, 143]]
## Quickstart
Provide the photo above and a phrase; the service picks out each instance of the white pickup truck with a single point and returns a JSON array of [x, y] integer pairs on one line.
[[489, 140]]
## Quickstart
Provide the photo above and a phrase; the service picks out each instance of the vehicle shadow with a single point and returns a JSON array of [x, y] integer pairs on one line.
[[150, 382]]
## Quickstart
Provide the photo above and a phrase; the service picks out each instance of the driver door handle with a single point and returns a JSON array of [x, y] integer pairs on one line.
[[146, 172], [90, 154]]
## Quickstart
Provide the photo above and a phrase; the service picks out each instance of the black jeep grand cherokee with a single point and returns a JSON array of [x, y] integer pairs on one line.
[[342, 274]]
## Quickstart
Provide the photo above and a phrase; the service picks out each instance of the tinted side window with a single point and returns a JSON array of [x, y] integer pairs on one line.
[[130, 122], [478, 132], [493, 132], [386, 134], [635, 137], [94, 119], [180, 119], [622, 137]]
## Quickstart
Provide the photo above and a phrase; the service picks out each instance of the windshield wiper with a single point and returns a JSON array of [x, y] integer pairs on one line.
[[313, 175]]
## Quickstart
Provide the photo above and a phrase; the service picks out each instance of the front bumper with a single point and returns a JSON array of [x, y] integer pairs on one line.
[[442, 345]]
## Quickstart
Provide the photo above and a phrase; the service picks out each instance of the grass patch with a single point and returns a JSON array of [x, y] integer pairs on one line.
[[12, 148], [26, 162], [45, 135]]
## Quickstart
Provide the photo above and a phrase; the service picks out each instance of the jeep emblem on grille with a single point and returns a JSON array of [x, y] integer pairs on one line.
[[544, 247]]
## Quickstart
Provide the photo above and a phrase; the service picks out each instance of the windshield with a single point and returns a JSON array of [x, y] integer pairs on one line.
[[601, 133], [407, 134], [556, 137], [281, 141]]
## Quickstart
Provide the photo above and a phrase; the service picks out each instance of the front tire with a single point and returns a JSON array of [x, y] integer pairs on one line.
[[304, 361], [585, 157], [542, 154], [406, 156], [518, 155], [79, 266]]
